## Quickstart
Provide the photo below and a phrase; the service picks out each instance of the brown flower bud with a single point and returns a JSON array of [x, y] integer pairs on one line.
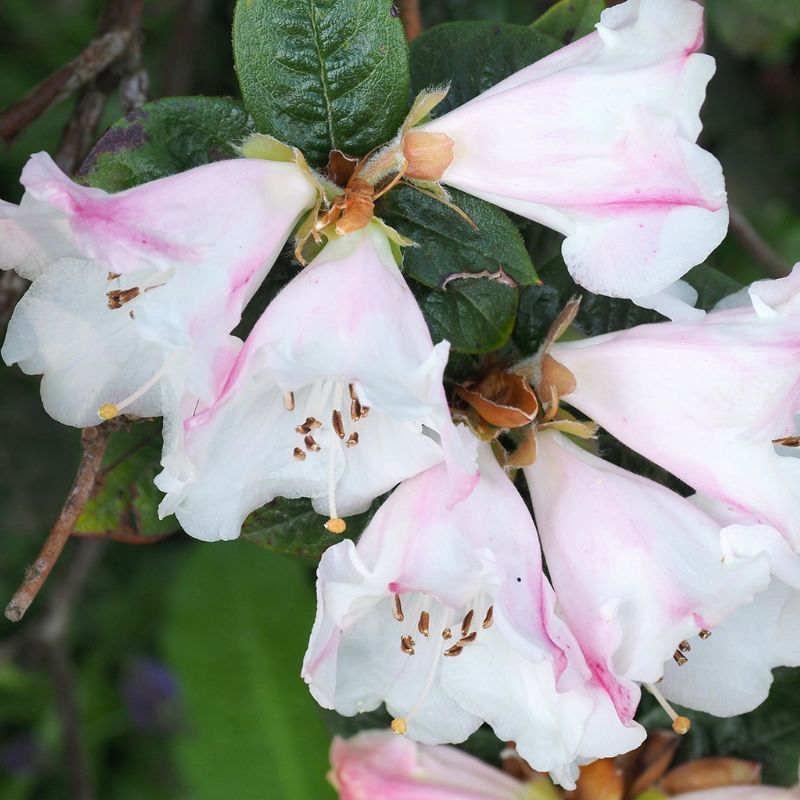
[[428, 154]]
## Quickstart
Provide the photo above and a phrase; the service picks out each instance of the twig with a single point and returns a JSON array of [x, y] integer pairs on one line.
[[97, 56], [412, 19], [750, 239], [95, 441]]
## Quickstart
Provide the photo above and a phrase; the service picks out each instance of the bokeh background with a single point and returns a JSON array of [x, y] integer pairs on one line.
[[170, 670]]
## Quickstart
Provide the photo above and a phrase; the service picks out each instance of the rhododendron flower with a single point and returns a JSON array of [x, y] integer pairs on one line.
[[377, 765], [731, 673], [333, 397], [597, 141], [637, 568], [141, 285], [706, 399], [445, 615]]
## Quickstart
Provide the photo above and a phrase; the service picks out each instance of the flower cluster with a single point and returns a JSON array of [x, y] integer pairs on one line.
[[442, 610]]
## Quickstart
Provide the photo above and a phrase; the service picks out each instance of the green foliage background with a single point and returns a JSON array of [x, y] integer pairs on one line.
[[185, 656]]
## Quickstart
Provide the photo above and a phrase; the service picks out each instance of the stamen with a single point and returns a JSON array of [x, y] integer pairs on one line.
[[455, 650], [112, 276], [311, 444], [351, 387], [364, 411], [465, 625], [288, 401], [680, 658], [335, 524], [299, 454], [310, 424], [424, 623], [684, 647], [465, 640], [681, 725], [355, 409], [338, 425], [110, 410], [407, 645], [704, 634], [489, 618], [117, 298], [352, 440], [397, 609], [447, 634]]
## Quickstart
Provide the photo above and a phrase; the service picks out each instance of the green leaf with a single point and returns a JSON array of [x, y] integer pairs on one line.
[[322, 74], [236, 628], [293, 528], [755, 27], [568, 20], [127, 500], [711, 285], [166, 137], [473, 56], [469, 277]]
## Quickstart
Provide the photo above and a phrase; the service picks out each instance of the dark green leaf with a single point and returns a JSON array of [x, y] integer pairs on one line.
[[235, 632], [293, 528], [568, 20], [538, 307], [770, 734], [473, 56], [322, 74], [753, 27], [166, 137], [127, 501], [711, 285]]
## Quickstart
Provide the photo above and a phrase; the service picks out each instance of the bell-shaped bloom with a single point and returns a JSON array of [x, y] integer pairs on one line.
[[730, 673], [637, 568], [337, 396], [598, 141], [382, 766], [133, 287], [445, 615], [705, 400]]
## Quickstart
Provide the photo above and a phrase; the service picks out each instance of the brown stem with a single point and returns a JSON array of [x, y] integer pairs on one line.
[[750, 239], [412, 19], [95, 441]]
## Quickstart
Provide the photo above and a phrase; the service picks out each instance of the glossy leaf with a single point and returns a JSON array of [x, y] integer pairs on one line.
[[166, 137], [127, 501], [473, 56], [323, 74], [568, 20], [235, 632]]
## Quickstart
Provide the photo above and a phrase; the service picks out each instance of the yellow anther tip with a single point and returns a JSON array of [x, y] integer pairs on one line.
[[399, 726], [107, 411], [336, 525], [682, 725]]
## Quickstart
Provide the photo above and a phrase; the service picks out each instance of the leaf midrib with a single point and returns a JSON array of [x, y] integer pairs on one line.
[[323, 74]]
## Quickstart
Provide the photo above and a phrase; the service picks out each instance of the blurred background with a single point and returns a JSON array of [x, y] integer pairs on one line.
[[170, 669]]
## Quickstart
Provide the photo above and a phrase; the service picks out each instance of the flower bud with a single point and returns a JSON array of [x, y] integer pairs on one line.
[[428, 154]]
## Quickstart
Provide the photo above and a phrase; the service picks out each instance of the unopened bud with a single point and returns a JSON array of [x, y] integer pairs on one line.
[[428, 154]]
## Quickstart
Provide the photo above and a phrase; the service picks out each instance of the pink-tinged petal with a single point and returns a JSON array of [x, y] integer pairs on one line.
[[597, 141], [377, 765], [730, 673], [706, 399], [32, 236], [636, 567], [88, 353]]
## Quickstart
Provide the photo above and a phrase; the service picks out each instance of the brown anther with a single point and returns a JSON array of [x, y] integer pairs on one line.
[[407, 645], [351, 387], [310, 444], [788, 441], [397, 609], [704, 634], [299, 454], [489, 618], [447, 634], [465, 640], [428, 154], [310, 424], [455, 650], [684, 646], [680, 658], [112, 276], [424, 623], [364, 411], [288, 400], [338, 425], [467, 623], [355, 409], [117, 298], [352, 440]]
